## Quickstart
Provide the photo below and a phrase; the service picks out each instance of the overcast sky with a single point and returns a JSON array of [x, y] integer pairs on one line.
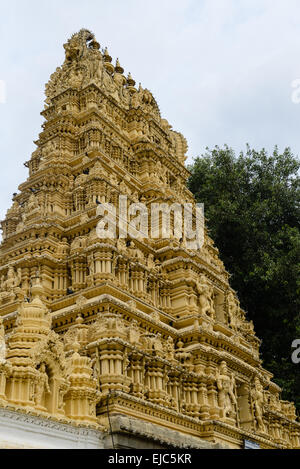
[[221, 70]]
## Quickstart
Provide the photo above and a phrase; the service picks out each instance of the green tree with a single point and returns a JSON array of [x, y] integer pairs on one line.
[[252, 206]]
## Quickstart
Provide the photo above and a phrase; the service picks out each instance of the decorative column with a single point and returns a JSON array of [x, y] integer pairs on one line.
[[212, 395], [155, 382], [136, 373], [123, 274], [108, 334]]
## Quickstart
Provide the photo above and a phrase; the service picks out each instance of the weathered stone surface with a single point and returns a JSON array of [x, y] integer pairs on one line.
[[133, 433]]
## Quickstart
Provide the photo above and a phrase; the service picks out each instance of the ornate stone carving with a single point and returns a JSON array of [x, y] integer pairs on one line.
[[233, 310], [226, 389], [258, 403], [169, 349], [206, 295], [41, 387], [107, 325], [83, 63], [134, 333], [133, 326], [10, 286]]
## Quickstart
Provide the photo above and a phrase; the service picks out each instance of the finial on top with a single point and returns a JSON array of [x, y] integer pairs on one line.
[[130, 80], [107, 62], [107, 57], [118, 68]]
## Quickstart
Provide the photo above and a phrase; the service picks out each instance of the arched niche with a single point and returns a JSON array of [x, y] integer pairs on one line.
[[49, 359]]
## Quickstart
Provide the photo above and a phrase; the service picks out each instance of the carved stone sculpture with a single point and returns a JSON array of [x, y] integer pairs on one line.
[[205, 292], [258, 403], [42, 386], [227, 398]]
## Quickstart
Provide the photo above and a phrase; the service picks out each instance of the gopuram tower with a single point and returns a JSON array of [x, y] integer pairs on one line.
[[123, 341]]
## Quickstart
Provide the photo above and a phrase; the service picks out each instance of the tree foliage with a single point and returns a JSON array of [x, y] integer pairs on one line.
[[252, 206]]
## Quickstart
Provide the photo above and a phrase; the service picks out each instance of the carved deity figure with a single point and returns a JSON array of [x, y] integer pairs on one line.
[[2, 343], [169, 349], [61, 394], [206, 297], [157, 344], [75, 47], [136, 100], [233, 310], [150, 261], [91, 266], [70, 337], [110, 85], [96, 371], [124, 189], [32, 204], [155, 316], [42, 385], [226, 388], [13, 280], [257, 395], [157, 267], [21, 225], [134, 333], [10, 286], [135, 253], [94, 63], [83, 60]]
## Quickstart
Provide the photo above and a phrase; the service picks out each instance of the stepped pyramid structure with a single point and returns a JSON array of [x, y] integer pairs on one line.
[[122, 341]]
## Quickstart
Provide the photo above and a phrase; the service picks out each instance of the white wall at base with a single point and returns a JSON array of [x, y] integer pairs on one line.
[[19, 430]]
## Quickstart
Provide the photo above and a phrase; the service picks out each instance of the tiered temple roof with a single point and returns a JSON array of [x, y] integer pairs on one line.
[[145, 328]]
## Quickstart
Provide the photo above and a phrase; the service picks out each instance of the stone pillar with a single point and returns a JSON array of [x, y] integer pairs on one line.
[[82, 396]]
